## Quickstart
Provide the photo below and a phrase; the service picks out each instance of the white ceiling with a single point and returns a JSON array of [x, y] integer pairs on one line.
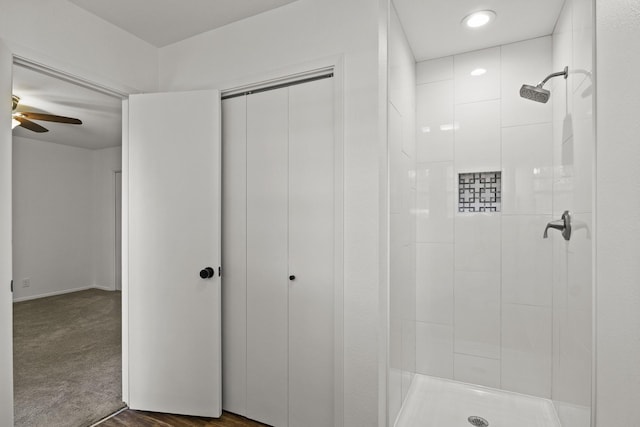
[[163, 22], [100, 114], [433, 26]]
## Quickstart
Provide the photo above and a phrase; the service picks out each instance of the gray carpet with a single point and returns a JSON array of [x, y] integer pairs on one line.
[[67, 359]]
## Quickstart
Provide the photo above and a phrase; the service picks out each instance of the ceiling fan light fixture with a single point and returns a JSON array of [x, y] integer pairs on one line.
[[479, 19]]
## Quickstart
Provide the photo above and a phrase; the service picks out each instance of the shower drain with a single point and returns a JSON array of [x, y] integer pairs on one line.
[[477, 421]]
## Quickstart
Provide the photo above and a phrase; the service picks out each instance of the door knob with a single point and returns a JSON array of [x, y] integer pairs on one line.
[[207, 273]]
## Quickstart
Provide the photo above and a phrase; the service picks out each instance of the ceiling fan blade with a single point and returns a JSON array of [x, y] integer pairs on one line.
[[51, 118], [28, 124]]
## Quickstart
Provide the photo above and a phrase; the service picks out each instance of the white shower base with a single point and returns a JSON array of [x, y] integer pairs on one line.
[[435, 402]]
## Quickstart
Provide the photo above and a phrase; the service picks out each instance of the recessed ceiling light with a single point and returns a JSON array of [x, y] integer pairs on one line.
[[479, 19], [478, 72]]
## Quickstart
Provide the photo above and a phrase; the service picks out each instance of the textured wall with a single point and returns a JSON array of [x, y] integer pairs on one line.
[[618, 213]]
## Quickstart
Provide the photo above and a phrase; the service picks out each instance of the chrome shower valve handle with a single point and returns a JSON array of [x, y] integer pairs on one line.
[[563, 225]]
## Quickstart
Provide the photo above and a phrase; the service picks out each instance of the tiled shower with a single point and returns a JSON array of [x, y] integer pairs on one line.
[[477, 294]]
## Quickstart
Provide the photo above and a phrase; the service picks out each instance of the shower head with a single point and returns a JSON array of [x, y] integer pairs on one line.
[[537, 93]]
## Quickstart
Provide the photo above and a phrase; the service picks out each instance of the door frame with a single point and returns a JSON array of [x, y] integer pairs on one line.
[[23, 61], [117, 192], [289, 73]]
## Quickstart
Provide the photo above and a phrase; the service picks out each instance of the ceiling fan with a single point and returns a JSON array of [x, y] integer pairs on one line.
[[24, 118]]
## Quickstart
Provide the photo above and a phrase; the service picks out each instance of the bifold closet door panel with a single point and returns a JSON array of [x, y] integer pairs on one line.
[[267, 272], [311, 254], [234, 254]]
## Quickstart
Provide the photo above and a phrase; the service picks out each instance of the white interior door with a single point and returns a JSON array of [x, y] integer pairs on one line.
[[267, 263], [174, 233], [279, 222], [6, 310], [311, 254]]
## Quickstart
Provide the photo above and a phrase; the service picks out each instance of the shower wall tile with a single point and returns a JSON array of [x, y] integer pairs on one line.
[[526, 349], [573, 165], [527, 162], [434, 283], [477, 313], [477, 370], [469, 88], [402, 276], [434, 70], [562, 170], [572, 315], [579, 274], [434, 349], [527, 260], [526, 62], [477, 242], [434, 117], [435, 202], [477, 137], [394, 393], [400, 227], [572, 361], [584, 143], [408, 353], [583, 149], [564, 28], [396, 157], [483, 294], [582, 18], [395, 342], [574, 146], [583, 101]]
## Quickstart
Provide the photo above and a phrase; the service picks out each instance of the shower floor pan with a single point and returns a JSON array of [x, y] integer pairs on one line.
[[435, 402]]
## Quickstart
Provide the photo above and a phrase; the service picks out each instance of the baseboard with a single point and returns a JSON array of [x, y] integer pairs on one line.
[[102, 288], [66, 291]]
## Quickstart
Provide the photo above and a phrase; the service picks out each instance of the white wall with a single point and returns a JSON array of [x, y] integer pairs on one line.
[[574, 149], [618, 213], [52, 213], [303, 31], [63, 210], [402, 190], [61, 35], [484, 281], [104, 163]]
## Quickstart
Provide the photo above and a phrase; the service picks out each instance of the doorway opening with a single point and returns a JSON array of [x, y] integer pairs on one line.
[[67, 304]]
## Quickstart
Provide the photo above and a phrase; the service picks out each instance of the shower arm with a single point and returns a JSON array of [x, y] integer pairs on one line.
[[564, 73]]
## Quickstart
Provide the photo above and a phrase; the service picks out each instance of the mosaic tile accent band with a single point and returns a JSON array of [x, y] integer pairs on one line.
[[480, 192]]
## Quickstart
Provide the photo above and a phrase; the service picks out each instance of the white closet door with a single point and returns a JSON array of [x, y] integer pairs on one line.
[[234, 254], [267, 272], [311, 250]]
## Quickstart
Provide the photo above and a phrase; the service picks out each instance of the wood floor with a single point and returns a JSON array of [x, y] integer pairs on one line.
[[153, 419]]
